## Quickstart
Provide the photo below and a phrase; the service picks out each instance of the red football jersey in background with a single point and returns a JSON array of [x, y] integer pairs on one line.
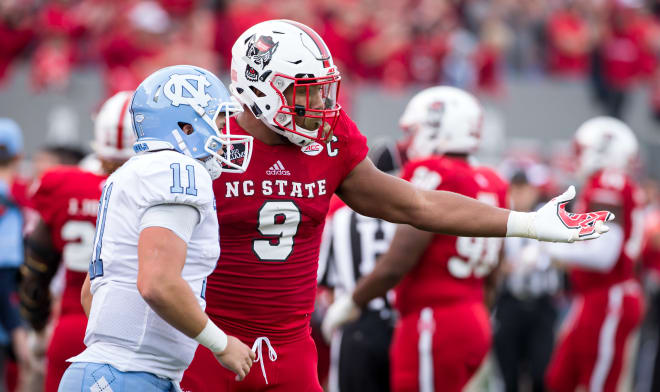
[[271, 221], [613, 188], [452, 269], [444, 333], [67, 200], [592, 345]]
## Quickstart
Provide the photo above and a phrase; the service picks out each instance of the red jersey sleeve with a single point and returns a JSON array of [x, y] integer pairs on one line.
[[349, 139]]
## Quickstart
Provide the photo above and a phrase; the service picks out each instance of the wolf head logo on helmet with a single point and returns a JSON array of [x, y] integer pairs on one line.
[[435, 111], [260, 51]]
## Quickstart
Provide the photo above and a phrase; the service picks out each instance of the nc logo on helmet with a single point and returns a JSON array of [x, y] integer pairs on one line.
[[180, 90]]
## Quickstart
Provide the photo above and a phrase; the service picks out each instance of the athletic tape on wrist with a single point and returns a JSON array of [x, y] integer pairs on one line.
[[520, 224], [212, 338]]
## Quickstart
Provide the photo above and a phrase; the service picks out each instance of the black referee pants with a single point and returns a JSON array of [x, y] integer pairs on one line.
[[364, 364], [524, 339]]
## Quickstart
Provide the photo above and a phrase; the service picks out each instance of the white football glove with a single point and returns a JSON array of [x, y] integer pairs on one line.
[[554, 224], [341, 312]]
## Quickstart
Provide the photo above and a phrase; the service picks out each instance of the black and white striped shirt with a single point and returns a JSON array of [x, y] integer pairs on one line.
[[351, 245]]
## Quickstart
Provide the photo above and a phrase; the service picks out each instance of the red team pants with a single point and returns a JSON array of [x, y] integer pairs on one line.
[[66, 342], [293, 370], [439, 348], [591, 352]]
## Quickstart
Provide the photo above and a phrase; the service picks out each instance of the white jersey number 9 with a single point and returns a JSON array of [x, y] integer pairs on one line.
[[79, 237], [278, 220]]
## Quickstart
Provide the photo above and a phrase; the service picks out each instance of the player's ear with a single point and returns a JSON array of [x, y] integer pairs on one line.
[[186, 128]]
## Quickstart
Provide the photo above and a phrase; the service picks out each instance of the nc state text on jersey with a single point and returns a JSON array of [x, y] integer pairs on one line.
[[277, 187]]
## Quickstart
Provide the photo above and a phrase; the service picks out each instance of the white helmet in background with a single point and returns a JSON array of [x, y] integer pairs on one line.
[[442, 120], [271, 56], [113, 128], [604, 143]]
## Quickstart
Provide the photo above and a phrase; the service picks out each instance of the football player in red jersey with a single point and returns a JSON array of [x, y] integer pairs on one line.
[[444, 330], [67, 200], [271, 217], [607, 308]]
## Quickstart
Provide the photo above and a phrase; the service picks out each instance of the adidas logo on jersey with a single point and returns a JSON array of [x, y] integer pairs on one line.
[[278, 170]]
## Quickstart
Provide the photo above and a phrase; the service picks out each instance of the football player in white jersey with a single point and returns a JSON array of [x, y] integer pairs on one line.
[[157, 241]]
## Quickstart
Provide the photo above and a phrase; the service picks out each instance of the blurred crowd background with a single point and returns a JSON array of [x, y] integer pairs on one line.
[[473, 44], [63, 57], [541, 67]]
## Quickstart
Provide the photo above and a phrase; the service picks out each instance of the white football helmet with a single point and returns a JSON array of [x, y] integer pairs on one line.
[[272, 56], [604, 143], [442, 120], [113, 128]]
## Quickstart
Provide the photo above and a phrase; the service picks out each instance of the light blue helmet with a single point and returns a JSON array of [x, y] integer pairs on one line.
[[11, 139], [184, 94]]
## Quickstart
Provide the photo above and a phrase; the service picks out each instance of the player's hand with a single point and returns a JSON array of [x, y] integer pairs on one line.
[[554, 224], [236, 357], [342, 311]]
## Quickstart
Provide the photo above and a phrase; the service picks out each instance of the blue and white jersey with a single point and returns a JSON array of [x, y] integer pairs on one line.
[[123, 330]]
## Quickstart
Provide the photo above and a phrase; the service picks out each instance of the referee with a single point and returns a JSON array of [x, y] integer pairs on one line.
[[359, 353], [525, 314]]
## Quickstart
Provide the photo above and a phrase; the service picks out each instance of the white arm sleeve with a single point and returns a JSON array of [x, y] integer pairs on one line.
[[599, 254], [181, 219]]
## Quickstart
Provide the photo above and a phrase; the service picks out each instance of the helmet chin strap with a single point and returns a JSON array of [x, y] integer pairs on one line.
[[301, 140]]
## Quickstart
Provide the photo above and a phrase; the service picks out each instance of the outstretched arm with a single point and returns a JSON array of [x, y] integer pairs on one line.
[[373, 193]]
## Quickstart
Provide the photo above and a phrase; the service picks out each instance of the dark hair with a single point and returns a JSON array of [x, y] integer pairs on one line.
[[519, 178], [5, 157], [66, 155]]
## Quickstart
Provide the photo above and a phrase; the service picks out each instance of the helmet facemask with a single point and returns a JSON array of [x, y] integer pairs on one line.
[[233, 152], [313, 111]]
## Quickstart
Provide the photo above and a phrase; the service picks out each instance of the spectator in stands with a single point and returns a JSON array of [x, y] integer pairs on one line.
[[17, 29], [620, 54], [569, 41]]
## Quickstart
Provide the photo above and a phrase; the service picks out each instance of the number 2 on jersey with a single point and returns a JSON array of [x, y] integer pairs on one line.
[[80, 239], [279, 220]]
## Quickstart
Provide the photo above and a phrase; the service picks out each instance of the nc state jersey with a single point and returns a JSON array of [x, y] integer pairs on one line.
[[613, 188], [271, 220], [67, 200], [123, 330], [452, 269]]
